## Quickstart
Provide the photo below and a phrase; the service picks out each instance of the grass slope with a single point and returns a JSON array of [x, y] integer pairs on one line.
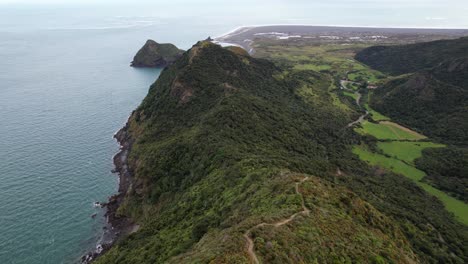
[[457, 207], [406, 151], [388, 130]]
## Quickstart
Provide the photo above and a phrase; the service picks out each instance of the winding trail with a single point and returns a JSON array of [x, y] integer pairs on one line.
[[249, 241], [358, 102], [359, 120]]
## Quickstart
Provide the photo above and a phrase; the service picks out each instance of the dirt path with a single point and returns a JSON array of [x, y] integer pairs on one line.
[[358, 98], [359, 120], [358, 102], [249, 241]]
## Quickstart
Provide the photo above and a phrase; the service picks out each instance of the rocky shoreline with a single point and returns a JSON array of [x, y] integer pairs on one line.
[[117, 226]]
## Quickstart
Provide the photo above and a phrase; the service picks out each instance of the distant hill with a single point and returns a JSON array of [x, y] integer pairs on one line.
[[233, 163], [435, 101], [432, 96], [154, 54], [401, 59], [453, 71]]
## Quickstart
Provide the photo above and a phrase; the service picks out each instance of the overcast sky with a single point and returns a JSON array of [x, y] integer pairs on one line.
[[406, 13], [444, 5], [454, 3]]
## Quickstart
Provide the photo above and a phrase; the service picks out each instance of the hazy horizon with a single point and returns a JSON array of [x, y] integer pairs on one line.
[[385, 13]]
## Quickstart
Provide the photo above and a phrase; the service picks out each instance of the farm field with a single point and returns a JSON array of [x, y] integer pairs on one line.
[[405, 150], [388, 130], [399, 145], [457, 207]]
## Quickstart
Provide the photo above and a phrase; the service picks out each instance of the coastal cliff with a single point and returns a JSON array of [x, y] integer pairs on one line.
[[154, 54], [118, 226]]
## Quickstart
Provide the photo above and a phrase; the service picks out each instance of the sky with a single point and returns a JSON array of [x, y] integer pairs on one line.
[[398, 13], [454, 3]]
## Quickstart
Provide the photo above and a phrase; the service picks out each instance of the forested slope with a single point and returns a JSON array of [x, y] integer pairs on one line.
[[226, 146], [432, 95], [401, 59]]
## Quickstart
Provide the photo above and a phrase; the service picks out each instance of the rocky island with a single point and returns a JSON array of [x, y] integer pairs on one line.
[[154, 54]]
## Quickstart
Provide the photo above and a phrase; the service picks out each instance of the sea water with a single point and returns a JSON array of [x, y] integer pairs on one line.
[[66, 87]]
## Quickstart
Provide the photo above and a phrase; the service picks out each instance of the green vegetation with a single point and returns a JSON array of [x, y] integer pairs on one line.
[[436, 108], [457, 207], [352, 86], [447, 170], [220, 141], [432, 96], [154, 54], [376, 116], [388, 130], [392, 164], [312, 67], [406, 151], [410, 58], [337, 59], [367, 75], [350, 94], [316, 237]]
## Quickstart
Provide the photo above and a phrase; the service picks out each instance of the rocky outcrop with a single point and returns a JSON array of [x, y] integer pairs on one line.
[[117, 226], [154, 54]]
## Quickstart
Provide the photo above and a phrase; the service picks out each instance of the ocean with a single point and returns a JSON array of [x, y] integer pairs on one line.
[[66, 87]]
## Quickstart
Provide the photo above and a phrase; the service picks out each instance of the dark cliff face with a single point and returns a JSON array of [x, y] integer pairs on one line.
[[153, 54]]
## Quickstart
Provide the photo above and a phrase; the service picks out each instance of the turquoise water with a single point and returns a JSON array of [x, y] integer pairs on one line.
[[66, 87]]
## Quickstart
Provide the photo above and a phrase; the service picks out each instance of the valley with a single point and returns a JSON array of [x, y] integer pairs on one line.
[[397, 146]]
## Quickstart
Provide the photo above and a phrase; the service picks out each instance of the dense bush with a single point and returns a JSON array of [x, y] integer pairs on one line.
[[447, 170], [401, 59], [216, 140]]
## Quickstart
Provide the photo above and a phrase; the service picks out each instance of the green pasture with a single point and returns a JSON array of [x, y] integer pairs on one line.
[[388, 130], [457, 207], [405, 150]]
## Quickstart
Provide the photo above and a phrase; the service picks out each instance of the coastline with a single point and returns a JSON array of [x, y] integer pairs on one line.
[[244, 36], [116, 226], [244, 28]]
